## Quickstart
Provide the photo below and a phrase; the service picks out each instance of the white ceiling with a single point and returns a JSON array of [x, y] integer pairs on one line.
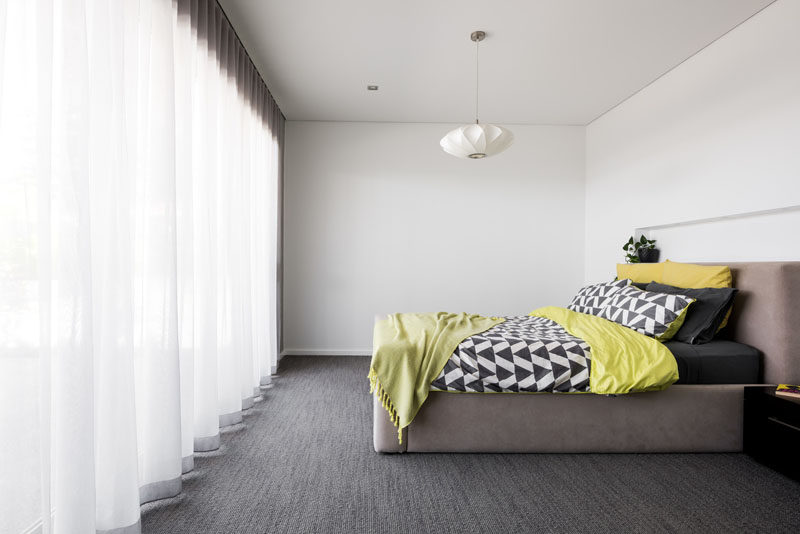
[[543, 61]]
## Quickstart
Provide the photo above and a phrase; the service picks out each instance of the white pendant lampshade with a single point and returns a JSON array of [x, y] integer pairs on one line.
[[476, 141]]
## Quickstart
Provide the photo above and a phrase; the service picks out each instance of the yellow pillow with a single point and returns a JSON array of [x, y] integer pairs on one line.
[[641, 273], [690, 276]]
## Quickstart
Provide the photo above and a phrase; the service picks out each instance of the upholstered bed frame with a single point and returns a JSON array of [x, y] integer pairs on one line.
[[683, 418]]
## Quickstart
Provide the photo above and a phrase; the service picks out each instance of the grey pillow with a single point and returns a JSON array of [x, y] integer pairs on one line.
[[706, 314]]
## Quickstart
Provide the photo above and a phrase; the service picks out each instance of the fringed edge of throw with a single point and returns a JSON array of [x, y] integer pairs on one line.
[[376, 387]]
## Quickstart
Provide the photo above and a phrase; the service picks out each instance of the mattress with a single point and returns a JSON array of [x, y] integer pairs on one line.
[[716, 362]]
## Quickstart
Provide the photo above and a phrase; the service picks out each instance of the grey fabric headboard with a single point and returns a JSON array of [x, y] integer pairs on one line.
[[766, 315]]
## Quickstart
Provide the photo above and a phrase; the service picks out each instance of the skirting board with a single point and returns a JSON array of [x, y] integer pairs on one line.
[[317, 352]]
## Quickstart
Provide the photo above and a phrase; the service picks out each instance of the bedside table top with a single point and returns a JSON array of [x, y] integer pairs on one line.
[[749, 391]]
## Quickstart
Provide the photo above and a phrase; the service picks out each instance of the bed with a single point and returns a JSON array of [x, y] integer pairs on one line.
[[698, 417]]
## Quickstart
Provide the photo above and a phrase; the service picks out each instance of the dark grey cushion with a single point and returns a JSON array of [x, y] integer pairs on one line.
[[705, 315]]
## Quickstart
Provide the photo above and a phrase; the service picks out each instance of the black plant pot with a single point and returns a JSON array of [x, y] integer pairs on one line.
[[648, 255]]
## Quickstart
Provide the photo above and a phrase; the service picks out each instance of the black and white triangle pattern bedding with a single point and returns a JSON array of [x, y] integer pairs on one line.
[[521, 354], [647, 312], [593, 298]]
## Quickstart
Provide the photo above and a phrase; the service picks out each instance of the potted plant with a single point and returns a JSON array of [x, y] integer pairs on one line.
[[642, 250]]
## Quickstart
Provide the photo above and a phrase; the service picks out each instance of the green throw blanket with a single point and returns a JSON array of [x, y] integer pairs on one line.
[[409, 350]]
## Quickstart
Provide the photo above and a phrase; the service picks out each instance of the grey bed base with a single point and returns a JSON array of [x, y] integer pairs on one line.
[[683, 418]]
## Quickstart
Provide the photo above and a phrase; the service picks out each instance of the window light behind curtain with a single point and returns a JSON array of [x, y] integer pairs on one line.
[[140, 156]]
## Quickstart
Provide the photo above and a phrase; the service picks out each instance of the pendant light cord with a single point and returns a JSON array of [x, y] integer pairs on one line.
[[477, 77]]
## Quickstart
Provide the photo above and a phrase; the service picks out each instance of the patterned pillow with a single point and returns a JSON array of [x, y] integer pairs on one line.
[[657, 315], [592, 299]]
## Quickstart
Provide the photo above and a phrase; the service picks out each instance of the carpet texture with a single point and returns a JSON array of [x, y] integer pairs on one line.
[[302, 461]]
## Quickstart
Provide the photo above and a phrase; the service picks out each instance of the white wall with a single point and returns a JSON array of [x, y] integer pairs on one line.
[[717, 136], [706, 160], [378, 220]]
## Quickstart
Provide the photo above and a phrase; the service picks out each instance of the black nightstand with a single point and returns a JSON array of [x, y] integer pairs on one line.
[[772, 429]]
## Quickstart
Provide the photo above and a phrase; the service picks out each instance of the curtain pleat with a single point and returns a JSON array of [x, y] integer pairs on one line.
[[184, 219], [140, 165], [111, 201], [72, 329]]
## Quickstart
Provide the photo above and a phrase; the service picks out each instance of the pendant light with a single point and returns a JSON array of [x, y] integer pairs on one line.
[[477, 140]]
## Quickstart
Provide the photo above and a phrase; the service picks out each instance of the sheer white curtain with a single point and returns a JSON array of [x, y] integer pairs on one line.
[[140, 157]]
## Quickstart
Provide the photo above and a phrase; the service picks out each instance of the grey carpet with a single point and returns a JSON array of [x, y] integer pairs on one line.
[[302, 461]]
